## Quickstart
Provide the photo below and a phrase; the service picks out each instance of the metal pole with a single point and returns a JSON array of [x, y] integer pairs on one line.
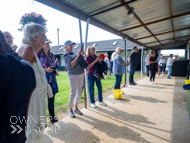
[[141, 61], [188, 51], [85, 72], [58, 35], [81, 42], [126, 68]]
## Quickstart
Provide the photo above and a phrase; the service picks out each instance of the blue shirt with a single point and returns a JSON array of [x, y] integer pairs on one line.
[[133, 57], [159, 59], [117, 65]]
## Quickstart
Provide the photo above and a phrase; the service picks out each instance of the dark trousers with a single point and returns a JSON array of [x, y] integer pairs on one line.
[[51, 105], [152, 73], [91, 80], [132, 72], [118, 79], [147, 70]]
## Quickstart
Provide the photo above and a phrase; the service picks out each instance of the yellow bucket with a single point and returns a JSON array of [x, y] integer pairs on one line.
[[118, 93], [187, 81]]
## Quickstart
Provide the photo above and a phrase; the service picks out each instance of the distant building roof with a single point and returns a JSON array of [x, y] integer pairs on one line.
[[101, 46]]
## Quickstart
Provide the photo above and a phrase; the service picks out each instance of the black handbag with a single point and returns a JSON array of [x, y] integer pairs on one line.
[[82, 62]]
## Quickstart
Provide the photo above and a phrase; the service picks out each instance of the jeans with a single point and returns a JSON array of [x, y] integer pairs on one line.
[[147, 70], [152, 73], [91, 80], [169, 71], [118, 79], [132, 72]]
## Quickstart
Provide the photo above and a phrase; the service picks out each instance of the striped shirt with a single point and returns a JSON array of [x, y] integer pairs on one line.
[[89, 60]]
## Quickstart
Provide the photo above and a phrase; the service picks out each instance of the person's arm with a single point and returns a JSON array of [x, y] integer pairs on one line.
[[108, 63], [152, 62], [93, 63], [73, 63], [48, 70], [129, 60], [120, 61]]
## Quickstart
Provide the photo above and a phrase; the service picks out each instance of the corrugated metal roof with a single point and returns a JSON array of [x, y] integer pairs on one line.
[[146, 11]]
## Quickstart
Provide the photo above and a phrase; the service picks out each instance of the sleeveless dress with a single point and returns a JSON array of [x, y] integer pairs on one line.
[[37, 107]]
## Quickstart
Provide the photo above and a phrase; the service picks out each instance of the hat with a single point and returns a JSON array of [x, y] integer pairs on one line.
[[68, 42], [102, 55], [47, 41]]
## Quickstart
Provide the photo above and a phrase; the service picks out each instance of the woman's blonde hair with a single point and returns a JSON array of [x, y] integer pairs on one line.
[[88, 50], [117, 51], [152, 52]]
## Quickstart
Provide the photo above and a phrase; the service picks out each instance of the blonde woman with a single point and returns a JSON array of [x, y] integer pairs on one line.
[[118, 62], [33, 40], [108, 65], [92, 59]]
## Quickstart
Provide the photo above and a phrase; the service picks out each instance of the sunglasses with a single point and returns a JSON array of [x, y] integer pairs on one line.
[[8, 37]]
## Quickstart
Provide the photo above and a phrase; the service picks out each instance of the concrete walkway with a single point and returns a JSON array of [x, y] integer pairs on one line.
[[147, 113]]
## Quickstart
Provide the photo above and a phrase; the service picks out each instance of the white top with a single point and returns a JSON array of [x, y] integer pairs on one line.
[[147, 61], [169, 61], [37, 105], [162, 61]]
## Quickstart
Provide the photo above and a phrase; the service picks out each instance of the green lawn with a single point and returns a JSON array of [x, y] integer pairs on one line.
[[62, 97]]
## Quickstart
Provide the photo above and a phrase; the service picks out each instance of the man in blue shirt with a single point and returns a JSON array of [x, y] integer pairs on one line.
[[133, 65]]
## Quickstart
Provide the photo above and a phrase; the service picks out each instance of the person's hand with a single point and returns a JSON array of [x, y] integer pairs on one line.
[[82, 52], [78, 53], [57, 74], [49, 70], [126, 64], [97, 59]]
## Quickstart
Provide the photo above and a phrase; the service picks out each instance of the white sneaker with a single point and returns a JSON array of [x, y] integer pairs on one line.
[[154, 82], [103, 103], [93, 105], [151, 82]]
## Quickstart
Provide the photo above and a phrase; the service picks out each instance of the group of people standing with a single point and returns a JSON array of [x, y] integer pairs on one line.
[[35, 53], [159, 64]]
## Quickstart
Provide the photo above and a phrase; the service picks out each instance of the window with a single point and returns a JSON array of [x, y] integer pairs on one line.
[[114, 43], [94, 44], [76, 46]]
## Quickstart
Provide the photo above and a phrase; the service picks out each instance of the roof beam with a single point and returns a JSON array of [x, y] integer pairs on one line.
[[154, 22], [163, 33], [170, 8], [127, 7], [125, 3], [167, 39], [168, 44], [76, 13]]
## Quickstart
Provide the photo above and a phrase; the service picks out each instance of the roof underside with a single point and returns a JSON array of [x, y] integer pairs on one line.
[[157, 24]]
